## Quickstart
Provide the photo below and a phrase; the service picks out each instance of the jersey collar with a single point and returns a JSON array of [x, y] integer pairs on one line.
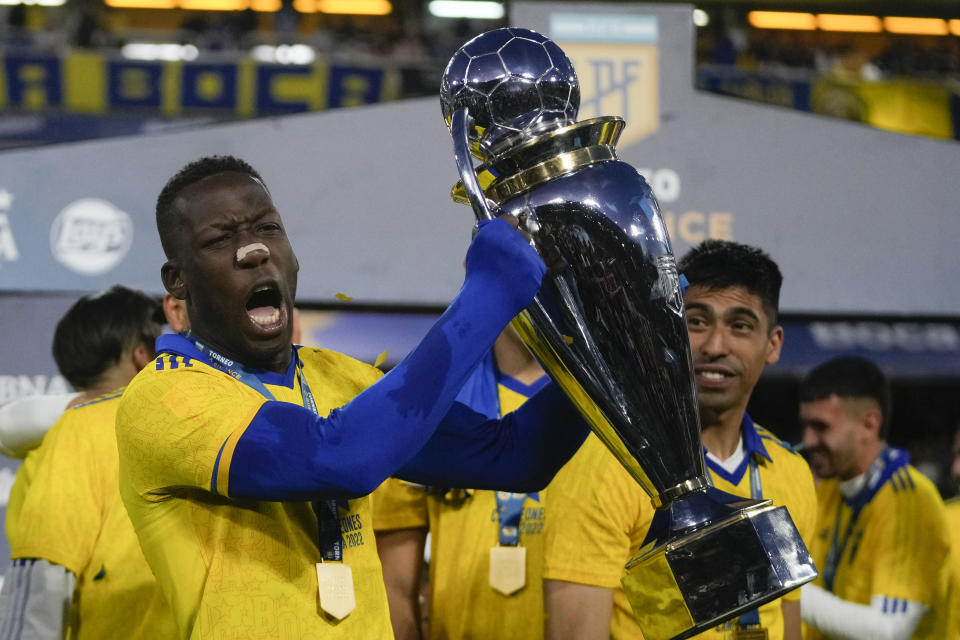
[[526, 390], [181, 345], [753, 447], [753, 441]]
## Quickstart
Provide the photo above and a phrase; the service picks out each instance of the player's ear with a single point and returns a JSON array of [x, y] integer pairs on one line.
[[774, 344], [172, 277], [142, 355], [873, 419]]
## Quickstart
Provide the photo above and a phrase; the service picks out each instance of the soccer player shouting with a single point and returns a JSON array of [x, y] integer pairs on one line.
[[882, 544], [244, 461]]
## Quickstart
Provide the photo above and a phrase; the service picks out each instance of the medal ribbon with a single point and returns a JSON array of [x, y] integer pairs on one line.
[[886, 464], [509, 511], [329, 538]]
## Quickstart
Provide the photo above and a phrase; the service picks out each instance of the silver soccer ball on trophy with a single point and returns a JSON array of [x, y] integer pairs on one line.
[[512, 81], [608, 325]]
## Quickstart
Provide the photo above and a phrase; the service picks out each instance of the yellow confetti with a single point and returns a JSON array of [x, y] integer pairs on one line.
[[381, 358], [344, 297], [569, 339]]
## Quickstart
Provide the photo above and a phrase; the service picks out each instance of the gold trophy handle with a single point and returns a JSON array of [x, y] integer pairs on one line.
[[460, 124]]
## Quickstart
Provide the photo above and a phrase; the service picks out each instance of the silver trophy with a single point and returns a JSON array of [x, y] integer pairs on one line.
[[608, 325]]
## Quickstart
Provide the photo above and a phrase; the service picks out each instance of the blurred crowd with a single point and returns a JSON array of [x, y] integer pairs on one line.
[[90, 24], [867, 56]]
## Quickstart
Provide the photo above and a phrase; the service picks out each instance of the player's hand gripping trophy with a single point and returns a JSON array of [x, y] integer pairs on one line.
[[608, 325]]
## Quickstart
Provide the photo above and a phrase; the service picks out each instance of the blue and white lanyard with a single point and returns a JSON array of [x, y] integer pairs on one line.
[[509, 511], [509, 508], [838, 545], [329, 537], [750, 618]]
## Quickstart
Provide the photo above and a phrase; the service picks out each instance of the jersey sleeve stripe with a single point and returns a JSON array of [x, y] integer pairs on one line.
[[910, 479], [221, 471], [17, 590], [214, 480]]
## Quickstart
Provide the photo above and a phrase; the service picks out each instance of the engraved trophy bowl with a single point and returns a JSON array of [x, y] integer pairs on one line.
[[608, 325]]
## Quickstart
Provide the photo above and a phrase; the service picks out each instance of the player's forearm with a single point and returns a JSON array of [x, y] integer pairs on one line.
[[844, 620], [286, 453], [35, 600], [24, 422], [521, 452], [791, 619], [401, 557], [576, 611]]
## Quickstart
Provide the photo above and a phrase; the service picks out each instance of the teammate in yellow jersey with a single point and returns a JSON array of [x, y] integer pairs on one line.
[[953, 525], [599, 515], [25, 421], [882, 544], [77, 566], [245, 462], [469, 531]]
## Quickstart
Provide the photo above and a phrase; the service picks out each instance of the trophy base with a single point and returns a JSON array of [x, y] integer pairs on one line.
[[698, 579]]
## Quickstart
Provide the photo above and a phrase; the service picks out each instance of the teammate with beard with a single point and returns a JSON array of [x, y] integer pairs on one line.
[[882, 544]]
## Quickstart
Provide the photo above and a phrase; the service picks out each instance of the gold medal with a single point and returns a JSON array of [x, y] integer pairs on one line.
[[335, 581], [508, 569], [750, 633]]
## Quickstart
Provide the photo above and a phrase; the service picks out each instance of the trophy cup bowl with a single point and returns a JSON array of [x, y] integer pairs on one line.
[[608, 325]]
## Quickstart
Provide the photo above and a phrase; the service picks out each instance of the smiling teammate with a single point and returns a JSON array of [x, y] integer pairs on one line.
[[599, 514], [244, 461], [882, 543]]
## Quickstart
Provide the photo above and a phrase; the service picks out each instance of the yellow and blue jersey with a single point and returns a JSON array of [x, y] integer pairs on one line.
[[953, 526], [600, 517], [68, 512], [895, 547], [238, 568], [463, 527], [785, 478]]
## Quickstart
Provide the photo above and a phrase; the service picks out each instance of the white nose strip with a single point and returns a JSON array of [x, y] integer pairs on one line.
[[243, 252]]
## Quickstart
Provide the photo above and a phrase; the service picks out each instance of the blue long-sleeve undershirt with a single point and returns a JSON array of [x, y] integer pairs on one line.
[[289, 453], [520, 452]]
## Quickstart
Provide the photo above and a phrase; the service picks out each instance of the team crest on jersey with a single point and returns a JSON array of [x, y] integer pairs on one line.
[[616, 60]]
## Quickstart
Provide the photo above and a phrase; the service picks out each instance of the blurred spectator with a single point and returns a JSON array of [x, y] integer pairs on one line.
[[286, 22]]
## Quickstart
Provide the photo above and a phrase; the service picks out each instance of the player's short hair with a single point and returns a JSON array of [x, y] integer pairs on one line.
[[190, 174], [722, 264], [96, 331], [849, 377]]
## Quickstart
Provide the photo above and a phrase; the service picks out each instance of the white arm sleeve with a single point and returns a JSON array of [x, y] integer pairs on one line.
[[35, 601], [884, 619], [24, 422]]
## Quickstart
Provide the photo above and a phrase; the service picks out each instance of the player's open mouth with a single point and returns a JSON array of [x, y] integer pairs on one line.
[[265, 308]]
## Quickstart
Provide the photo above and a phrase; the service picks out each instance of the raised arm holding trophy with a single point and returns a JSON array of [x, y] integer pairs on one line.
[[608, 325]]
